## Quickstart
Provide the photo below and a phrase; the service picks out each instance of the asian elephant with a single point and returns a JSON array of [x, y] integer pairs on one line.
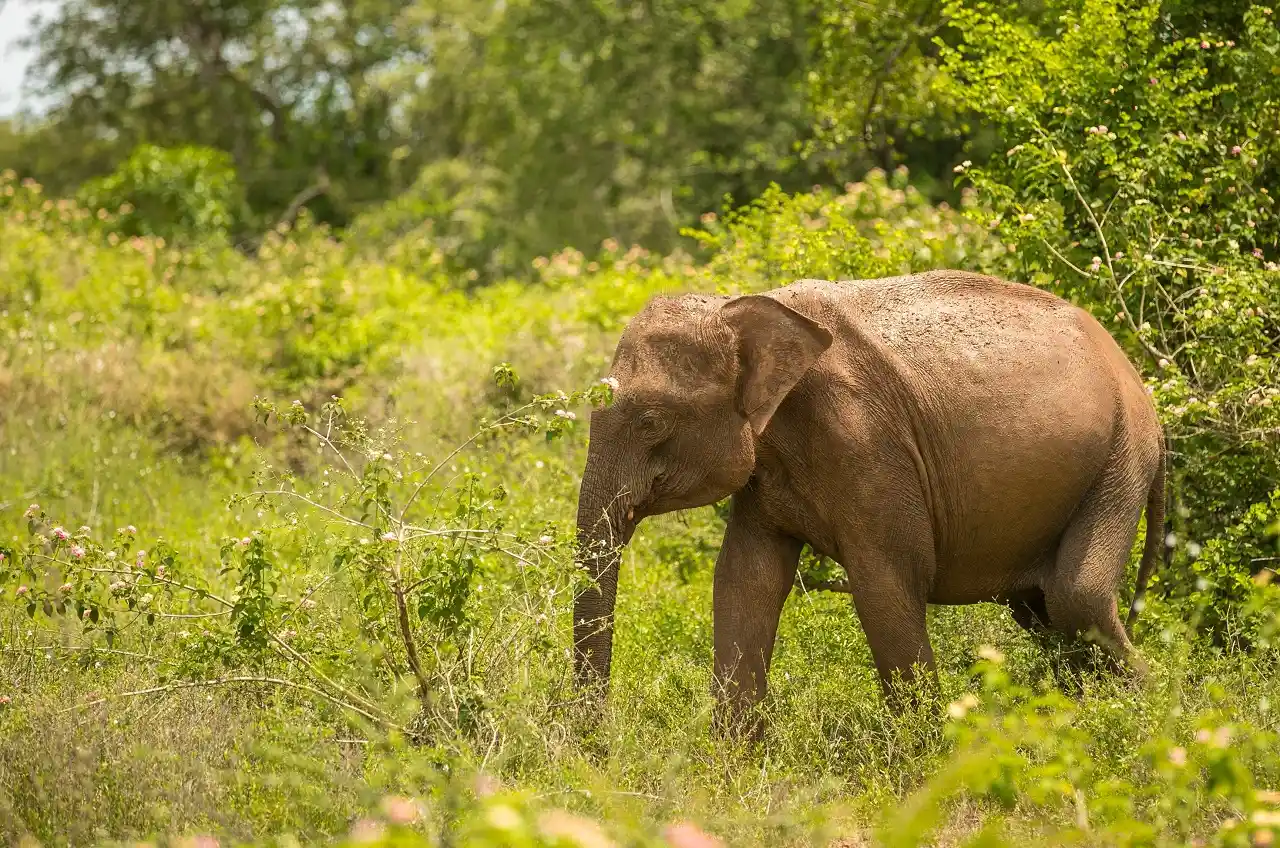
[[947, 437]]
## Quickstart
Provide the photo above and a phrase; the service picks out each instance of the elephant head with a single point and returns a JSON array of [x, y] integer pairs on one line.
[[698, 380]]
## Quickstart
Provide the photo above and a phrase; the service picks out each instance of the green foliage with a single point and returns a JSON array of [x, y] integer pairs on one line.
[[184, 194], [288, 89], [1238, 568], [452, 218], [876, 228]]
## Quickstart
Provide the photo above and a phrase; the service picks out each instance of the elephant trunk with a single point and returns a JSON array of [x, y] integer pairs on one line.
[[605, 524]]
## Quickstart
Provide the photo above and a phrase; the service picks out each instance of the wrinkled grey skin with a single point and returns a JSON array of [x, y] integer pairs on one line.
[[949, 438]]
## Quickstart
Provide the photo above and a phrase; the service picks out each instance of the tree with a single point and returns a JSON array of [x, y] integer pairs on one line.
[[284, 87]]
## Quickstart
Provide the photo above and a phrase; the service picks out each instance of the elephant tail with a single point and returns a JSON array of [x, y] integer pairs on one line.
[[1154, 543]]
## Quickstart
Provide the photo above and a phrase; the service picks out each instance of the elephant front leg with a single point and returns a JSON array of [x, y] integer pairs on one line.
[[895, 628], [888, 586], [753, 578]]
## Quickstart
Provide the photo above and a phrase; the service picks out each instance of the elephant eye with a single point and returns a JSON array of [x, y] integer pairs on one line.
[[651, 423]]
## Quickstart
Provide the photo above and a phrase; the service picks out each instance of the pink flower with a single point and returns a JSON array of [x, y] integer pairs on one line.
[[486, 786], [1153, 81], [1235, 151], [367, 830], [141, 559], [1178, 756], [1204, 45], [60, 534], [1257, 252], [65, 588], [5, 700], [686, 835], [77, 552], [32, 511], [21, 590], [399, 810], [131, 530], [160, 571], [245, 542]]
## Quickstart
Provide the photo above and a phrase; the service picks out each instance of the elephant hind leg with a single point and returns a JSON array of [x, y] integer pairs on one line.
[[1080, 591], [1028, 608]]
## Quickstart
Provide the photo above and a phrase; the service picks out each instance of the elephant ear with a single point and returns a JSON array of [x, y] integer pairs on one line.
[[776, 345]]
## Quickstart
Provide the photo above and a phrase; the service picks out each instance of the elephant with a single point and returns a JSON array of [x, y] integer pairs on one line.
[[946, 437]]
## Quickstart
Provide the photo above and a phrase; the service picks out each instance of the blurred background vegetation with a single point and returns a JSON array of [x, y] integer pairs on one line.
[[443, 212]]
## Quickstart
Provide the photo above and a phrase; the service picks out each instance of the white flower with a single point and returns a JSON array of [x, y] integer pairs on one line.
[[388, 536], [959, 709], [566, 414], [545, 540], [611, 382], [991, 654]]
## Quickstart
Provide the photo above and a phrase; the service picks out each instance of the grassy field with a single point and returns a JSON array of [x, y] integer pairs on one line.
[[220, 650]]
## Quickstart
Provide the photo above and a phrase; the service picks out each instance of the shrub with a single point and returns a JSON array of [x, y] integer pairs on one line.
[[449, 220], [879, 227], [184, 193]]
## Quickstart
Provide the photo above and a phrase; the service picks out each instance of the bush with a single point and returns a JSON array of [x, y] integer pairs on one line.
[[183, 193], [875, 228], [449, 220]]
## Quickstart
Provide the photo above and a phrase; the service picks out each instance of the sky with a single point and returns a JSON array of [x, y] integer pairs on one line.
[[15, 22]]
